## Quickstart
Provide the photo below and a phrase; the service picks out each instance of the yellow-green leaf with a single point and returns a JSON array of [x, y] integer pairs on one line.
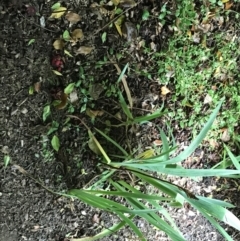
[[69, 88], [146, 154], [118, 24], [31, 90], [67, 53], [115, 2], [93, 146], [58, 12], [57, 73]]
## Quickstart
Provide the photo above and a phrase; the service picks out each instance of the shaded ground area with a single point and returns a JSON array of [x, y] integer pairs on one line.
[[28, 212]]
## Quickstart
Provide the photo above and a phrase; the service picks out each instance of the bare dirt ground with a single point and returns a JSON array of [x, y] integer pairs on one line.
[[27, 211]]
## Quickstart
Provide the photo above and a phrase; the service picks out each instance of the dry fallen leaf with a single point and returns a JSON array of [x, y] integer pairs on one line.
[[73, 17], [115, 2], [84, 50], [118, 24], [225, 135], [73, 97], [58, 13], [94, 113], [165, 90], [58, 44], [37, 86], [128, 3], [77, 34], [95, 90], [96, 218], [157, 142], [207, 99], [228, 5], [63, 102], [213, 143], [217, 72]]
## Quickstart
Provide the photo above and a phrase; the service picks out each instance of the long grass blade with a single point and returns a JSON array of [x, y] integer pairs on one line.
[[113, 142], [153, 218], [105, 232], [154, 203]]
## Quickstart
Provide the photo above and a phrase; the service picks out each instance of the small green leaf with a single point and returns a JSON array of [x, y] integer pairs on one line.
[[104, 37], [31, 41], [118, 11], [145, 15], [69, 88], [55, 143], [56, 6], [56, 103], [6, 160], [83, 108], [30, 90], [46, 112], [53, 127], [66, 35]]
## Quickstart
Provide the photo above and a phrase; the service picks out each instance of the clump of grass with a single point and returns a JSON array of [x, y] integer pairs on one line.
[[137, 201]]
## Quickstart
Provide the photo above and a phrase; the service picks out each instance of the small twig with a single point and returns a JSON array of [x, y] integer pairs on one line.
[[114, 19], [38, 24], [24, 172]]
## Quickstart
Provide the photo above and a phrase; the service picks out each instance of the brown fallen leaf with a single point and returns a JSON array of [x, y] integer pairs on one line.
[[63, 102], [165, 90], [124, 81], [228, 5], [84, 50], [157, 142], [77, 34], [73, 17], [58, 44], [37, 87], [225, 135]]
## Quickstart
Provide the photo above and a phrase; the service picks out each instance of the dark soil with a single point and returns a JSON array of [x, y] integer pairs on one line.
[[27, 211]]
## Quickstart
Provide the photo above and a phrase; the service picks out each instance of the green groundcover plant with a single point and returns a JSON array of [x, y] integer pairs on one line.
[[138, 203]]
